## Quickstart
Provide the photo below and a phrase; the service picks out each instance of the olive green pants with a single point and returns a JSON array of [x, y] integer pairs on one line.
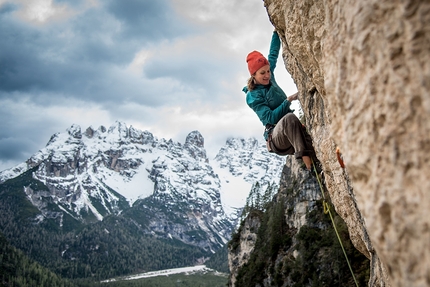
[[290, 137]]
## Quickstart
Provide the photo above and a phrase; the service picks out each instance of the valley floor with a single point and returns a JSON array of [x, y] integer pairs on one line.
[[167, 272]]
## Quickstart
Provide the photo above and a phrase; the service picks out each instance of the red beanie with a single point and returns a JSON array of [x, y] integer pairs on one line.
[[255, 61]]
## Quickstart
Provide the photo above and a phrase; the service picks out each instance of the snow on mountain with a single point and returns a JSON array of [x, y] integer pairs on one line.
[[240, 164], [103, 171]]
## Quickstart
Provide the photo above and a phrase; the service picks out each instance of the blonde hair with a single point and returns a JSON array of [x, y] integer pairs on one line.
[[251, 83]]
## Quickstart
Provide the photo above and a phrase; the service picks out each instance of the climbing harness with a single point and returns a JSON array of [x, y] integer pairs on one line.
[[327, 210]]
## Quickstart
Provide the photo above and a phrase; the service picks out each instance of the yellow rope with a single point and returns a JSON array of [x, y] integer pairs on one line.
[[326, 207], [327, 210]]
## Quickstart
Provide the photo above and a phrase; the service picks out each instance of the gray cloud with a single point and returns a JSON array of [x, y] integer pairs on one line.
[[147, 19], [81, 57], [22, 130], [82, 66], [12, 148], [193, 67]]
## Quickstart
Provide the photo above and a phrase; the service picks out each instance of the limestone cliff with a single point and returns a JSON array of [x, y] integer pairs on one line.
[[290, 241], [243, 245], [362, 69]]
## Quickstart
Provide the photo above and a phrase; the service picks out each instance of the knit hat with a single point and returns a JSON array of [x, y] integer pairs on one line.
[[255, 61]]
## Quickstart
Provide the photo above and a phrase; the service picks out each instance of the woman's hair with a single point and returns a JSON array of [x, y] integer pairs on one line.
[[251, 83]]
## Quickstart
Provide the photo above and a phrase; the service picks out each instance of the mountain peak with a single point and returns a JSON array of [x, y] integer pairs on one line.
[[91, 173], [194, 144], [75, 131], [195, 138]]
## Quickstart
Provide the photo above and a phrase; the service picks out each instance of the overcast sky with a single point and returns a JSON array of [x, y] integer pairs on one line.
[[166, 66]]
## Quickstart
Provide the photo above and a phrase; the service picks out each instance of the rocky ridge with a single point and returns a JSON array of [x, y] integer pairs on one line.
[[99, 172], [290, 241]]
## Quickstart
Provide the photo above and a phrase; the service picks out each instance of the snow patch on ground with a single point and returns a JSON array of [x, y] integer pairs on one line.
[[166, 272]]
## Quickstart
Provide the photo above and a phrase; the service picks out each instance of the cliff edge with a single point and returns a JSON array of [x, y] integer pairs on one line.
[[362, 69]]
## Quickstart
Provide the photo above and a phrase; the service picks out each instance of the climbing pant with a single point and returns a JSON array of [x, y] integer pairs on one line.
[[290, 137]]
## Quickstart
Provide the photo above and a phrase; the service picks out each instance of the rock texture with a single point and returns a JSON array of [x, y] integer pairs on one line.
[[246, 244], [362, 69], [171, 189], [288, 239]]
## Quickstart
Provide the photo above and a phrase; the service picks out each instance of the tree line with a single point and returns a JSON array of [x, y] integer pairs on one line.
[[113, 247]]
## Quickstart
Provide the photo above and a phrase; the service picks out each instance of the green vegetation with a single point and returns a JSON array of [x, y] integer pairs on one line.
[[12, 192], [106, 249], [319, 259], [17, 270], [176, 280], [219, 260], [258, 201], [195, 280], [116, 246], [273, 236], [121, 245]]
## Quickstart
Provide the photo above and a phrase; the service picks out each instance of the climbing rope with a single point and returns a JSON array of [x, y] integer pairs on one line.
[[327, 210]]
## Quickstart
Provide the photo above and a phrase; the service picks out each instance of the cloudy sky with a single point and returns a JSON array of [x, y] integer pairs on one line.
[[166, 66]]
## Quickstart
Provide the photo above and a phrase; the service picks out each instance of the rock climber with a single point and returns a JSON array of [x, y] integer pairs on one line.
[[284, 133]]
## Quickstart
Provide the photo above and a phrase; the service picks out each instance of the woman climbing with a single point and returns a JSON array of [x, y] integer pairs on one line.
[[284, 133]]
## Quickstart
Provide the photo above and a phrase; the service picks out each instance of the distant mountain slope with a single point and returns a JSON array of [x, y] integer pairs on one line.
[[158, 189]]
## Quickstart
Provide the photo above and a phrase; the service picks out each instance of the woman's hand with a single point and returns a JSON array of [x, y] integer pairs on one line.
[[293, 97]]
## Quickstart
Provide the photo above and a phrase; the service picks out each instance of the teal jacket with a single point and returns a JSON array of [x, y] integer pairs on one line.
[[269, 102]]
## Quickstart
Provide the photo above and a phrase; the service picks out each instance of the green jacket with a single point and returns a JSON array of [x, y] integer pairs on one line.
[[269, 102]]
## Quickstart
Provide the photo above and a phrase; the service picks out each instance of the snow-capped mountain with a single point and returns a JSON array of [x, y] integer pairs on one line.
[[97, 172], [240, 164]]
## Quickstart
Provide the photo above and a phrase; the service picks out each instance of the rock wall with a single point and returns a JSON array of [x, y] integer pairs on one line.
[[239, 255], [362, 69], [289, 240]]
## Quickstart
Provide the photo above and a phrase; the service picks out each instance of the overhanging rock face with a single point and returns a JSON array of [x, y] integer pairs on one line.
[[363, 72]]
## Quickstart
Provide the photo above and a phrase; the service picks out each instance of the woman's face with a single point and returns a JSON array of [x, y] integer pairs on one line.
[[262, 76]]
